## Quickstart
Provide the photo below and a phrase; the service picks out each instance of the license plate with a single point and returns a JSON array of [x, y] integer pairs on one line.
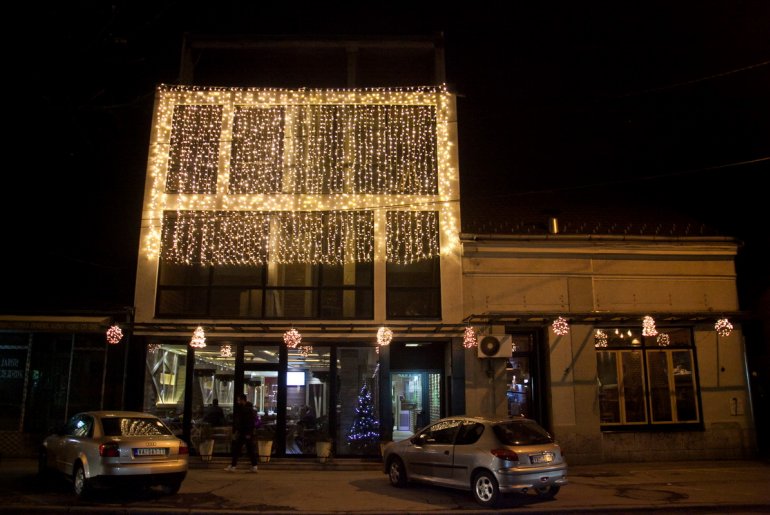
[[150, 451], [541, 458]]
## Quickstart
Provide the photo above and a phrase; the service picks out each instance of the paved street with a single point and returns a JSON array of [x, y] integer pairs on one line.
[[285, 487]]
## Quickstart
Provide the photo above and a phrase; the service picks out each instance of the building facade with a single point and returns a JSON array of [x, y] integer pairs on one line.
[[291, 226], [614, 342]]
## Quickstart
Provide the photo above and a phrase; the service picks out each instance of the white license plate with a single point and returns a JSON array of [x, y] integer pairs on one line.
[[541, 458], [150, 451]]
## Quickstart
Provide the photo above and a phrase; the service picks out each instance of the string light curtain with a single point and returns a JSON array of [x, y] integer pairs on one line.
[[193, 159], [243, 237], [303, 150], [411, 236]]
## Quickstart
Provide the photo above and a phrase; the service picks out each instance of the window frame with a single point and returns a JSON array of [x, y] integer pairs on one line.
[[646, 348]]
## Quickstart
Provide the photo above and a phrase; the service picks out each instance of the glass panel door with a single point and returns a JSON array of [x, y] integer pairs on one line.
[[416, 398]]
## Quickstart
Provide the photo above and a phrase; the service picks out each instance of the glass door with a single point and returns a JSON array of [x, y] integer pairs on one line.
[[416, 400]]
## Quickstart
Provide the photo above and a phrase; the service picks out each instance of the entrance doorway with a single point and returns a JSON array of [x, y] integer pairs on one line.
[[416, 399], [525, 375]]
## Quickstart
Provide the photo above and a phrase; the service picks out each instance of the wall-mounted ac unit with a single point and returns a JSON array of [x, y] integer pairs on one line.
[[495, 346]]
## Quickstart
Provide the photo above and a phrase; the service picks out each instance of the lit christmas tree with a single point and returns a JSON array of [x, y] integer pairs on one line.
[[363, 436]]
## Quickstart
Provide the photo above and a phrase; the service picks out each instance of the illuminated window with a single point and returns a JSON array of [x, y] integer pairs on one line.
[[194, 149], [646, 380]]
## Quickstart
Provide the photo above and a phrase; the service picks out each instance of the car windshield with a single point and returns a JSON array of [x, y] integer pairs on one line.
[[521, 432], [133, 426]]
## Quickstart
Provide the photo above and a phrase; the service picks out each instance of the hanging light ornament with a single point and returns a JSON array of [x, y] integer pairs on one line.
[[384, 336], [304, 350], [226, 351], [648, 326], [723, 327], [292, 338], [469, 338], [663, 340], [560, 326], [600, 338], [199, 338], [153, 347], [114, 334]]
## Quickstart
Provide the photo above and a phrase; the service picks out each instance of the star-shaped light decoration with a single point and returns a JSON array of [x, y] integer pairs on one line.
[[198, 340], [663, 339], [648, 326], [469, 338], [723, 327], [114, 334], [384, 336], [560, 326], [292, 338], [226, 351]]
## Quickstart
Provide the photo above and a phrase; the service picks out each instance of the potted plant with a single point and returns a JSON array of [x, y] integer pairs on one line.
[[323, 443], [264, 436]]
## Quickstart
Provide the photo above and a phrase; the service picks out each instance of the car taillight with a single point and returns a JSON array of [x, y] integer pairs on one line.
[[183, 449], [109, 450], [505, 454]]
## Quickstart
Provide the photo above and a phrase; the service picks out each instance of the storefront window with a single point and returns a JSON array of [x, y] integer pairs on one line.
[[13, 366], [164, 383], [358, 401], [212, 398], [646, 380], [307, 399]]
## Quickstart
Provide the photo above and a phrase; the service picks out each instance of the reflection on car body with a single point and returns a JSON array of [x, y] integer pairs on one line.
[[110, 448], [488, 457]]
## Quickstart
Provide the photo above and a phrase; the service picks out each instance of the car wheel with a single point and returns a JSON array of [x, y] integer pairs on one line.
[[548, 492], [397, 473], [485, 489], [171, 488], [80, 483]]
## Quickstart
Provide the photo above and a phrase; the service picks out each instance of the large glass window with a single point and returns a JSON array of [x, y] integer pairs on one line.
[[164, 383], [13, 369], [307, 399], [358, 431], [646, 380], [413, 271]]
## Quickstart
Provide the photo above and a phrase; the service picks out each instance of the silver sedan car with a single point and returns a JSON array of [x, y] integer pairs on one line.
[[487, 457], [111, 448]]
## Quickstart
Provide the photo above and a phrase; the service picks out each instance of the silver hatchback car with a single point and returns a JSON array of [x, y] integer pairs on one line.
[[110, 448], [487, 457]]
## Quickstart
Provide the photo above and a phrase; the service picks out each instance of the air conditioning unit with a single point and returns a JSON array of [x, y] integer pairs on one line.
[[495, 346]]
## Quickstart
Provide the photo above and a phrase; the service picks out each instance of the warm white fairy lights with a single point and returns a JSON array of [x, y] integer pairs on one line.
[[648, 326], [723, 327], [304, 350], [114, 334], [274, 151], [663, 339], [412, 236], [292, 338], [225, 350], [600, 338], [238, 237], [384, 336], [469, 338], [153, 347], [198, 340], [560, 326]]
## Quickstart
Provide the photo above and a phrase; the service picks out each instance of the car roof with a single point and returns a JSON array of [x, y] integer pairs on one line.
[[110, 413], [489, 420]]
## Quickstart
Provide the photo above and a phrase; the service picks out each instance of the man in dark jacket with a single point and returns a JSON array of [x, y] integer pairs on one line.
[[243, 425]]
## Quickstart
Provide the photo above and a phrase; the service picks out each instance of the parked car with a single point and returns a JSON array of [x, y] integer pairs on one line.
[[115, 448], [487, 457]]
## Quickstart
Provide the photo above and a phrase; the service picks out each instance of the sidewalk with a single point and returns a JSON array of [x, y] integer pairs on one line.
[[351, 486]]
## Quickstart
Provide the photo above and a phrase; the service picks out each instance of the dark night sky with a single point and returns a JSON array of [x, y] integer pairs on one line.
[[663, 103]]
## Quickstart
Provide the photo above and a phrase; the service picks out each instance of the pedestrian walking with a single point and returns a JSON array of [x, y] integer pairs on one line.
[[243, 422]]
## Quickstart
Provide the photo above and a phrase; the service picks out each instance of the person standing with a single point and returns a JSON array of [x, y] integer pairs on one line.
[[243, 422]]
